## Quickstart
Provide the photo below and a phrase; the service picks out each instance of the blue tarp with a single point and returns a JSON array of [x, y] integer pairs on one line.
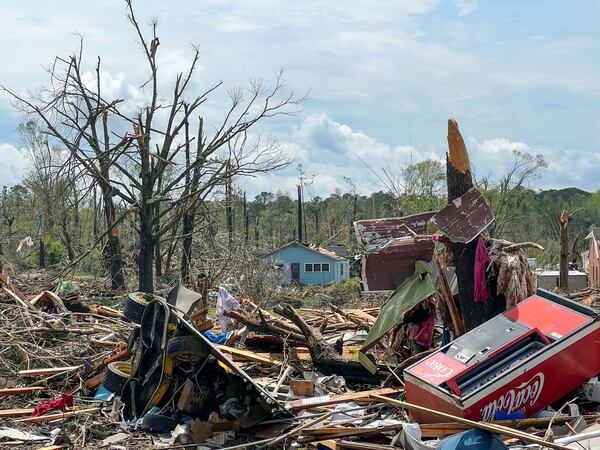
[[217, 338]]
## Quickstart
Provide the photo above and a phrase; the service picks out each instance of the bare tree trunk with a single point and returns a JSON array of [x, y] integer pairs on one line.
[[574, 252], [229, 208], [458, 174], [189, 213], [115, 258], [256, 235], [146, 279], [42, 255], [563, 279], [156, 226], [373, 209]]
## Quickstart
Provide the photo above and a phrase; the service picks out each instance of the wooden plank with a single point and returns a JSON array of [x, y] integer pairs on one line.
[[481, 425], [247, 355], [6, 392], [350, 445], [326, 400], [95, 381], [15, 412], [450, 428], [47, 371], [362, 315], [58, 416]]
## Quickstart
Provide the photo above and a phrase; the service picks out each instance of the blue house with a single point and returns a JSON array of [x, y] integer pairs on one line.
[[310, 264]]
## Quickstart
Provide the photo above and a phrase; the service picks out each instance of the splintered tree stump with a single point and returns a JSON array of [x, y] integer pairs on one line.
[[459, 180]]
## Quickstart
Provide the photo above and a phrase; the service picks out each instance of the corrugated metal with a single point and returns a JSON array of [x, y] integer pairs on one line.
[[465, 218], [376, 233], [391, 251]]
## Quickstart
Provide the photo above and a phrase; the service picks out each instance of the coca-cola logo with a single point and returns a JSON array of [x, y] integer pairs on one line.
[[439, 370], [527, 393]]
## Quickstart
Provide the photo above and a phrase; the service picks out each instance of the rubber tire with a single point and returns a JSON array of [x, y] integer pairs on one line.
[[159, 424], [115, 378], [180, 348], [133, 341], [135, 306]]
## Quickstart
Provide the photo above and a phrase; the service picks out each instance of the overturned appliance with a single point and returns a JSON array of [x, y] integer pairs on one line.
[[519, 361]]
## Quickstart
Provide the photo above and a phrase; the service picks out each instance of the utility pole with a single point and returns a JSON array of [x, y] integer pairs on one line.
[[246, 219], [300, 237]]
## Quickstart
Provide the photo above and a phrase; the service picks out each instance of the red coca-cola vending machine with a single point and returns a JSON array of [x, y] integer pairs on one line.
[[522, 360]]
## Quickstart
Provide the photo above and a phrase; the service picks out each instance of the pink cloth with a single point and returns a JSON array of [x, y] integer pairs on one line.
[[422, 333], [481, 294]]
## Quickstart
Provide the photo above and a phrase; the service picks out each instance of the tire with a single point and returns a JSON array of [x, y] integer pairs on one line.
[[133, 341], [186, 349], [116, 375], [135, 305], [159, 424]]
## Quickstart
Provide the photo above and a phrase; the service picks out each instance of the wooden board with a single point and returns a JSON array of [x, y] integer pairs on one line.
[[20, 390], [58, 415], [326, 400], [48, 371], [249, 356], [15, 412]]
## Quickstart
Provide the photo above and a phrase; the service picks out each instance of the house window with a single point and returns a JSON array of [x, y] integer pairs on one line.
[[316, 267]]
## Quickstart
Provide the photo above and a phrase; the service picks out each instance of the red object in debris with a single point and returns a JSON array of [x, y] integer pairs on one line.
[[58, 404], [391, 251], [522, 360]]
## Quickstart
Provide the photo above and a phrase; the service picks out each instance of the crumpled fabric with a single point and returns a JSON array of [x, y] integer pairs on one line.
[[58, 404], [225, 302], [422, 333], [481, 294]]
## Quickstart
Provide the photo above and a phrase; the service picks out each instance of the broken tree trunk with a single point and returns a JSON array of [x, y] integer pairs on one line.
[[324, 356], [459, 180], [261, 325], [563, 278]]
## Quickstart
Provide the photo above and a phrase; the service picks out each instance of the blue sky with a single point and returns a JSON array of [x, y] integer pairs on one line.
[[384, 76]]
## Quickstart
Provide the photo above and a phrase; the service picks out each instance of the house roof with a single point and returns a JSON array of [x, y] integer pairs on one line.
[[312, 247], [595, 233]]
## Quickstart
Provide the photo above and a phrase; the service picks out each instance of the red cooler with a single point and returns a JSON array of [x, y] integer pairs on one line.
[[522, 360]]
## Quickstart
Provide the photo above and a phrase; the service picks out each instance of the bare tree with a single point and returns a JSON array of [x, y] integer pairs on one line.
[[505, 195], [131, 167]]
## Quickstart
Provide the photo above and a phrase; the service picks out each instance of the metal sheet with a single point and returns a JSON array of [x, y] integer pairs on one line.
[[465, 217], [376, 233], [387, 269], [391, 251]]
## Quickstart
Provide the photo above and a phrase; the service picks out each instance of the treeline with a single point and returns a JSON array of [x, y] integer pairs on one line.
[[65, 227]]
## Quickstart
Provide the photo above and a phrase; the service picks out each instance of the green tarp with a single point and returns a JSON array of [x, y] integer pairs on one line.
[[414, 289]]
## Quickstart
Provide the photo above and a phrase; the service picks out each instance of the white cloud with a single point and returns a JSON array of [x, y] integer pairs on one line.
[[493, 158], [466, 7], [15, 164]]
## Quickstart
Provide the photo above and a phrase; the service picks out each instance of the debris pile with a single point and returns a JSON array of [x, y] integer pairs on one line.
[[464, 353]]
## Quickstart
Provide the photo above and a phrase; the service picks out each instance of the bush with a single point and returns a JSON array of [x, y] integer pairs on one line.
[[55, 252]]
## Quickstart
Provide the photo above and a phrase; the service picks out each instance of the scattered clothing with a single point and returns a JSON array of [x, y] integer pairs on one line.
[[422, 332], [481, 294], [58, 404], [225, 302]]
